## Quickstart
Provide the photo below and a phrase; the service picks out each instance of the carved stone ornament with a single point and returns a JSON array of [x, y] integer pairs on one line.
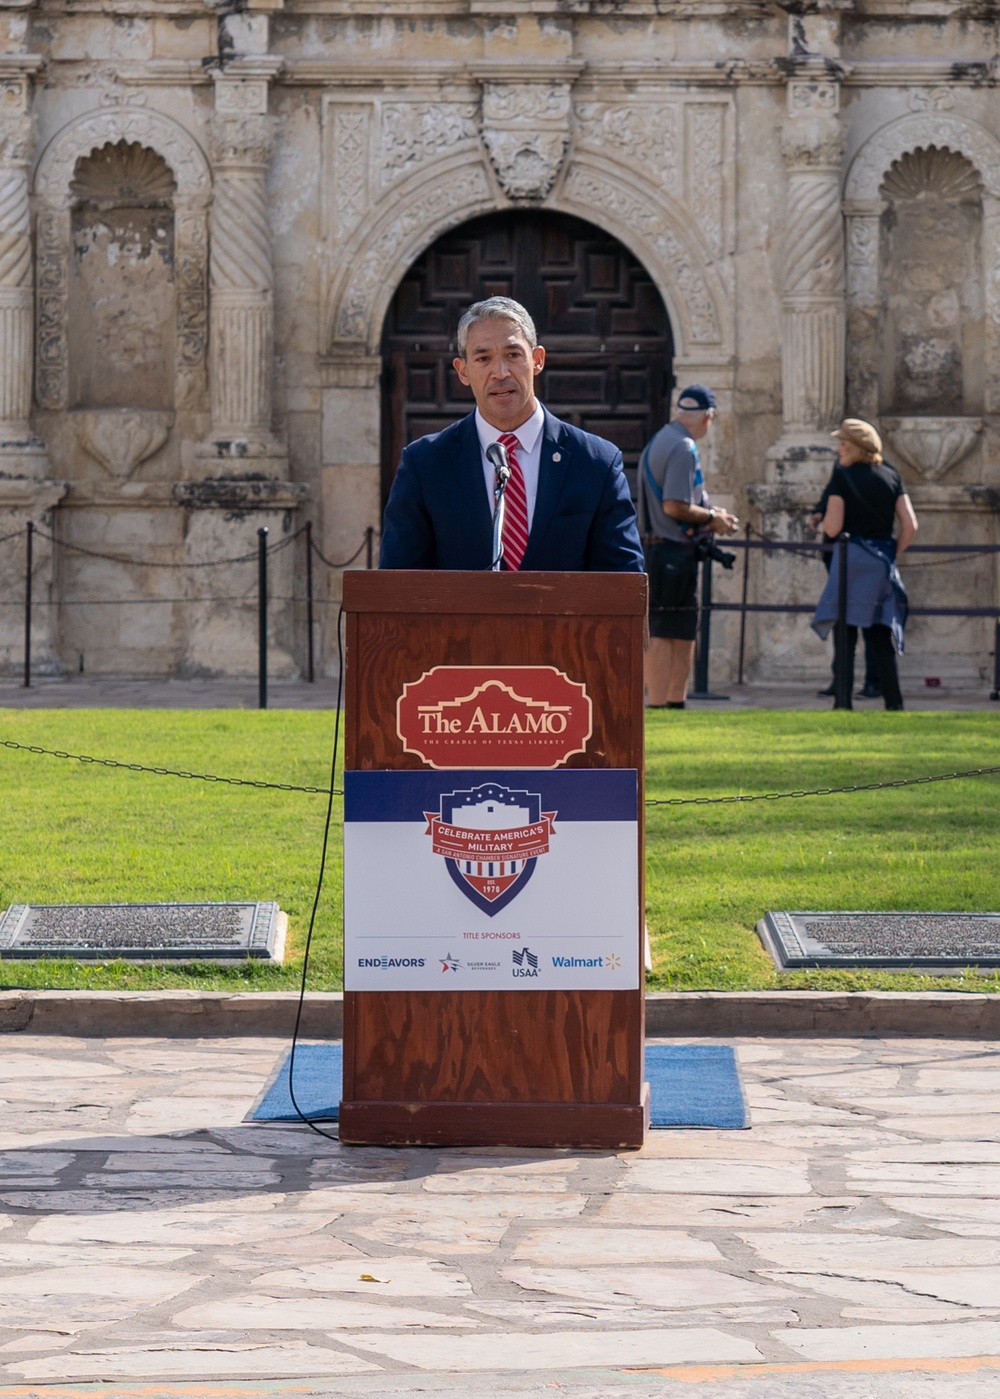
[[640, 217], [812, 95], [14, 93], [813, 243], [415, 132], [17, 138], [242, 139], [922, 129], [813, 141], [241, 96], [526, 131], [396, 240], [643, 133], [121, 438], [932, 445], [96, 129]]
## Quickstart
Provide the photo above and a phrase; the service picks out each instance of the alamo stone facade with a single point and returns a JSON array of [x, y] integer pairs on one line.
[[209, 217]]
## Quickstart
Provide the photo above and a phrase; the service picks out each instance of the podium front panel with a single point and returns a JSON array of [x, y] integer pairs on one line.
[[515, 1067]]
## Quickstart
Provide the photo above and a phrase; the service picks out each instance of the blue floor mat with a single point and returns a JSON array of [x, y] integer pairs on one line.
[[691, 1085]]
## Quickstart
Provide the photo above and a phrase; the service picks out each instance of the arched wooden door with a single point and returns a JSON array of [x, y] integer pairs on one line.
[[596, 309]]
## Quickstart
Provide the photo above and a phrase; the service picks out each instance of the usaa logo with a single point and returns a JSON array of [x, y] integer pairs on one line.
[[525, 962]]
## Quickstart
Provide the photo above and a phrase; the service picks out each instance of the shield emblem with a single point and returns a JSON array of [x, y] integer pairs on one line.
[[494, 837]]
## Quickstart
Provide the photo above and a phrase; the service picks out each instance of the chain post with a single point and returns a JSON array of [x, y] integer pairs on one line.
[[28, 550], [701, 690], [309, 600], [844, 680], [262, 617], [743, 604]]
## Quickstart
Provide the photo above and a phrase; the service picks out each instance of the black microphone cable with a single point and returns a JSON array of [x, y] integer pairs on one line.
[[319, 887]]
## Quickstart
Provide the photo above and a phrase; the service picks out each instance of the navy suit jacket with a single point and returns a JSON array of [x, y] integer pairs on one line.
[[439, 514]]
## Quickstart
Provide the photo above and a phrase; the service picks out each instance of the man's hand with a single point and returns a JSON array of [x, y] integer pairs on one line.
[[700, 517], [723, 523]]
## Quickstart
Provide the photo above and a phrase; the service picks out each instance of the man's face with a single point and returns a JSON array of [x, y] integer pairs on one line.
[[500, 368], [700, 423]]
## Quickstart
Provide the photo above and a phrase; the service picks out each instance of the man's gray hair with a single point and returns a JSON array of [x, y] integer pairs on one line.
[[496, 308]]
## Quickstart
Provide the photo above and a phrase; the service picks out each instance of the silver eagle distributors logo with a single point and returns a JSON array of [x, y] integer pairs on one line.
[[490, 838]]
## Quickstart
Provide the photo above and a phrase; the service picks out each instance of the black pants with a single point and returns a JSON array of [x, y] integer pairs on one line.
[[871, 670], [883, 653]]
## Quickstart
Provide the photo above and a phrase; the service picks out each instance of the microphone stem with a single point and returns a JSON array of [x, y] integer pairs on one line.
[[498, 519]]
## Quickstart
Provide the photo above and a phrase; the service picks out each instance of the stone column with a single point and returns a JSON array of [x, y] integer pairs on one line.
[[21, 453], [812, 346], [813, 313], [242, 277], [25, 492]]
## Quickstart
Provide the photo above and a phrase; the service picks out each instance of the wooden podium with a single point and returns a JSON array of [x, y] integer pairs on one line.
[[540, 1068]]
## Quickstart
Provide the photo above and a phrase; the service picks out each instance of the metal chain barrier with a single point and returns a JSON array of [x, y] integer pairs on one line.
[[166, 772], [650, 801], [153, 563], [347, 562], [824, 791]]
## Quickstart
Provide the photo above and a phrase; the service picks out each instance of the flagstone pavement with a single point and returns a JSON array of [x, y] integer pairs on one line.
[[152, 1243]]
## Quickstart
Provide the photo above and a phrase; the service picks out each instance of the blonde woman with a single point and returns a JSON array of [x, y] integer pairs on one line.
[[867, 501]]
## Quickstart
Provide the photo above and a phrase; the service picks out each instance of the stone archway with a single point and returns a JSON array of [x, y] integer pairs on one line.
[[657, 231], [597, 310], [369, 246]]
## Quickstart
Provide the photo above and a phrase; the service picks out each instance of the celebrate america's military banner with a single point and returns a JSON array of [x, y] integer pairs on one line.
[[476, 880]]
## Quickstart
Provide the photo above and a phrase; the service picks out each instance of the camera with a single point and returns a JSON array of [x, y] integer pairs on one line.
[[706, 548]]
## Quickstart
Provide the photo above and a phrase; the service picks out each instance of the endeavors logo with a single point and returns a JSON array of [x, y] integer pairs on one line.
[[490, 837], [386, 962], [494, 717]]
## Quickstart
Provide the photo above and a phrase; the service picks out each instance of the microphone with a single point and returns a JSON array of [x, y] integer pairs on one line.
[[496, 454]]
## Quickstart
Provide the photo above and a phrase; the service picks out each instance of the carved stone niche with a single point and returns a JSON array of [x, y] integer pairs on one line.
[[107, 161], [931, 312], [122, 296]]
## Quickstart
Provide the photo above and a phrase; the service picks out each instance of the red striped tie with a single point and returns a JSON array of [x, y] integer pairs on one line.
[[515, 524]]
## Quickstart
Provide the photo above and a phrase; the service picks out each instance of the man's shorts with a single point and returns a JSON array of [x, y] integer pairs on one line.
[[673, 590]]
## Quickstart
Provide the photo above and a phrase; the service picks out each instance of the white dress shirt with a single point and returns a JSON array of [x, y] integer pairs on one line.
[[529, 454]]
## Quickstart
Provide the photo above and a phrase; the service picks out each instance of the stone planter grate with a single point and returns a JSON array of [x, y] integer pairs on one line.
[[929, 942], [195, 932]]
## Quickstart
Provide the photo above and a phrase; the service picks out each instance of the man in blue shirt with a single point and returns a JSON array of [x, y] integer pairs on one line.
[[677, 511]]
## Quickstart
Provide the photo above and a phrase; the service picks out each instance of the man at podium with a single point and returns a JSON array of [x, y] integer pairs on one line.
[[567, 500]]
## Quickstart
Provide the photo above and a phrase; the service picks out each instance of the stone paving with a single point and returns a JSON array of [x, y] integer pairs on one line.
[[92, 692], [152, 1243]]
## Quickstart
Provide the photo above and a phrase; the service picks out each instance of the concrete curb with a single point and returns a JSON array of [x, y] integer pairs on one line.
[[719, 1014]]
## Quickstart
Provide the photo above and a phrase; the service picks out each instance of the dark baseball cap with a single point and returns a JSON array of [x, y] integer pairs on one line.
[[696, 397]]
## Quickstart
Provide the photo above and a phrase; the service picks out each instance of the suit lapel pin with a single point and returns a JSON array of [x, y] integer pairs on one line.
[[557, 456]]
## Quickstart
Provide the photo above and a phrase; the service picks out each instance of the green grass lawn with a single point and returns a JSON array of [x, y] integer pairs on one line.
[[73, 833]]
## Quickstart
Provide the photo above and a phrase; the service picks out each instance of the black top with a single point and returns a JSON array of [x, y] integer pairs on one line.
[[869, 494]]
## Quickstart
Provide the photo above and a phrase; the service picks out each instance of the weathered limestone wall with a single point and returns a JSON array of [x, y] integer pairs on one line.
[[203, 219]]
